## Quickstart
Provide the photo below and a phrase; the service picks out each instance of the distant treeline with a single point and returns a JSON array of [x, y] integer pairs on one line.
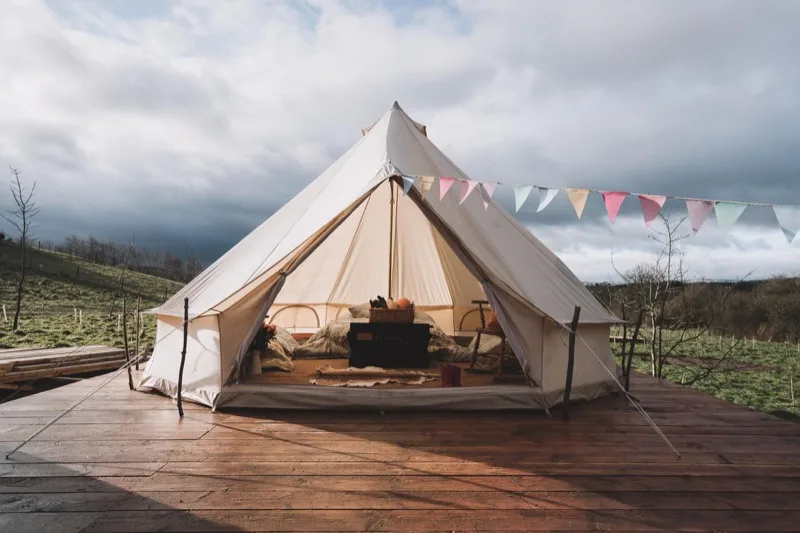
[[765, 309], [156, 262]]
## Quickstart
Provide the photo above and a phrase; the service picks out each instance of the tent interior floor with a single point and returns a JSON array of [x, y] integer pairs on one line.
[[305, 369]]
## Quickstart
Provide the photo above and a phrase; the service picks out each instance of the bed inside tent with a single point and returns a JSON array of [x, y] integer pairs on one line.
[[363, 229]]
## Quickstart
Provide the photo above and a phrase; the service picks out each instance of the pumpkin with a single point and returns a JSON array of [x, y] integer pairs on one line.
[[404, 303], [391, 304]]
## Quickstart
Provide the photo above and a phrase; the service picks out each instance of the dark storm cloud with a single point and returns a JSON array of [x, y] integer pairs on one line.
[[189, 123]]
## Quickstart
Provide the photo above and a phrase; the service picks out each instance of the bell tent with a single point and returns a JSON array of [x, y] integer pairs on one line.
[[354, 233]]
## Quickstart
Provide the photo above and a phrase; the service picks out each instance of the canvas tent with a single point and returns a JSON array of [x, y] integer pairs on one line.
[[352, 234]]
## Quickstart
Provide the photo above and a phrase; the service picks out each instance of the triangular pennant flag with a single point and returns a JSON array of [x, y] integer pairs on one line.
[[444, 185], [489, 187], [521, 193], [727, 214], [698, 212], [408, 182], [578, 199], [425, 184], [651, 205], [788, 219], [467, 186], [613, 201], [545, 197]]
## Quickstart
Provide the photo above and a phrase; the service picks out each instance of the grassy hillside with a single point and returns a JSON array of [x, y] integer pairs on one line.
[[57, 285]]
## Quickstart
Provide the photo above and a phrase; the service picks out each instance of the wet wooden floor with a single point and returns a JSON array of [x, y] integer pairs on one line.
[[123, 461]]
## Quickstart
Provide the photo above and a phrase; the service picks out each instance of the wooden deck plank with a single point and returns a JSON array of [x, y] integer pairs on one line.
[[123, 461], [300, 499], [444, 520]]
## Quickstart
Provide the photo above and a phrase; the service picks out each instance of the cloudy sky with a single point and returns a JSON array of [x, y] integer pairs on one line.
[[187, 123]]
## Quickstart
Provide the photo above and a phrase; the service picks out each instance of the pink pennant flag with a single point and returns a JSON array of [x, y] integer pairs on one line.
[[444, 185], [651, 205], [489, 187], [467, 186], [698, 212], [613, 201]]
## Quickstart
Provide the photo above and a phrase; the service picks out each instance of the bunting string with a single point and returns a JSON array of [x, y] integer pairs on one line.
[[726, 212]]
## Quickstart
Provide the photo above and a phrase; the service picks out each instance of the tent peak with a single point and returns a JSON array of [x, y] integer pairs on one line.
[[395, 105]]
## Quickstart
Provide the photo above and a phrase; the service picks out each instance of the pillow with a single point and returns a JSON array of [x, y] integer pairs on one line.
[[360, 311]]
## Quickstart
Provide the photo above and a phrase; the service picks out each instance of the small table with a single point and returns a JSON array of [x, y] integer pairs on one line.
[[389, 345]]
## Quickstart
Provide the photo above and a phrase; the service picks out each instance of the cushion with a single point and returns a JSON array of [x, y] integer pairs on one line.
[[360, 311]]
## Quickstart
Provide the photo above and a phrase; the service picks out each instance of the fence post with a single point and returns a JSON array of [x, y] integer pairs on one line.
[[183, 352], [627, 369], [125, 340], [571, 361]]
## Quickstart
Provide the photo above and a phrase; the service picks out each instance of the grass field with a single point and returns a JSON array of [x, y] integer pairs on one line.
[[57, 286], [759, 374]]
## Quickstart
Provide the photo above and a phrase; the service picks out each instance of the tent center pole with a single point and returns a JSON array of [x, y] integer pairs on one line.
[[391, 234]]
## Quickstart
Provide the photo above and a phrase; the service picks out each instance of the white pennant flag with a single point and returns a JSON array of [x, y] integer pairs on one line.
[[521, 193], [545, 197], [727, 214], [788, 219]]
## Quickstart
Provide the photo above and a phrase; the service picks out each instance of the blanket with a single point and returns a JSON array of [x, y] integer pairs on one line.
[[331, 342], [368, 376], [279, 352]]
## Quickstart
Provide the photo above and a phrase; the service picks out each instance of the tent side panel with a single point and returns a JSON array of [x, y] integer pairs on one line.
[[201, 376], [590, 377], [239, 322], [524, 330]]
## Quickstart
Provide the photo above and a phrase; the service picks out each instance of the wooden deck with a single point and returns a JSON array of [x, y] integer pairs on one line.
[[123, 461]]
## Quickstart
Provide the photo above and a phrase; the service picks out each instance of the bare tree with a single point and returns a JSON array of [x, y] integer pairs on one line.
[[21, 217], [660, 292]]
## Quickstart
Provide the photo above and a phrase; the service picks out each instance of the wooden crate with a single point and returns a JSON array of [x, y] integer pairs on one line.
[[391, 316]]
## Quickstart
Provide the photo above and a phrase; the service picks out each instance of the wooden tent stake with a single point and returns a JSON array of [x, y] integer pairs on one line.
[[183, 352], [571, 361], [138, 328], [125, 340]]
